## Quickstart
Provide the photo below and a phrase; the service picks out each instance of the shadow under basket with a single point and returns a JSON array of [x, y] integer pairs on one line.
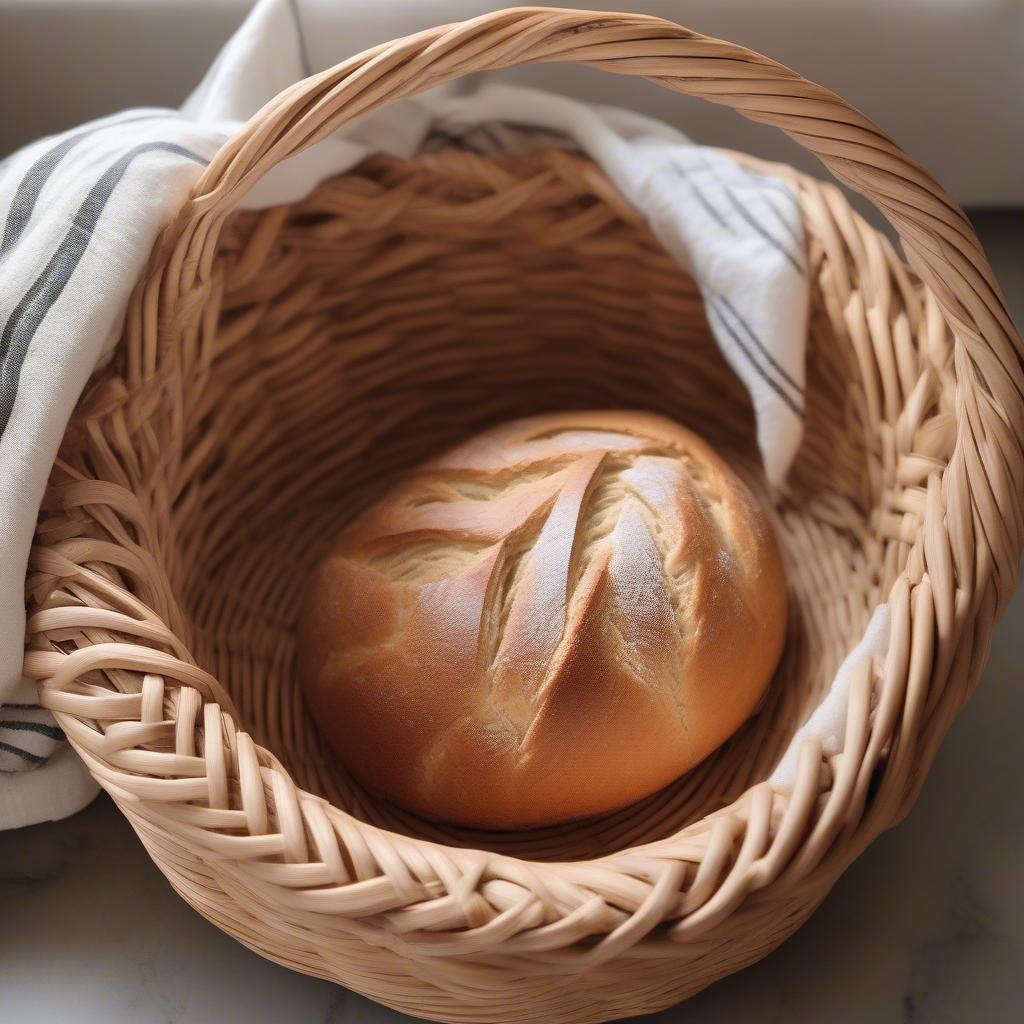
[[280, 368]]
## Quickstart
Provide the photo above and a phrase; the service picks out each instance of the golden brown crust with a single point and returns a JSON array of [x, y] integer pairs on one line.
[[551, 620]]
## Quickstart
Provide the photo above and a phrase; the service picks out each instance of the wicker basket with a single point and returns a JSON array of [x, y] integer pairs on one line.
[[278, 368]]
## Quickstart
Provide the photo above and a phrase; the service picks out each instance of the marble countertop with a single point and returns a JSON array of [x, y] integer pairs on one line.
[[927, 927]]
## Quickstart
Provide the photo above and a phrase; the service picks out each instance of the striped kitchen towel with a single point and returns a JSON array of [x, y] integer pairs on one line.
[[79, 214], [78, 217], [31, 736]]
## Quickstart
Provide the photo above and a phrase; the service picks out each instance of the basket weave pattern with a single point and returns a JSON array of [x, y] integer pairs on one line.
[[279, 368]]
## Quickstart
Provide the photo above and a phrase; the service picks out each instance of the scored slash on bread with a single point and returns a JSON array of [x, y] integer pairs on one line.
[[549, 621]]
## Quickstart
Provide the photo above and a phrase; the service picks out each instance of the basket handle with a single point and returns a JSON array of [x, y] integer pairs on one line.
[[937, 237]]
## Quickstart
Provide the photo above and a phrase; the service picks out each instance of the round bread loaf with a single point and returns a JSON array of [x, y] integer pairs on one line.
[[549, 621]]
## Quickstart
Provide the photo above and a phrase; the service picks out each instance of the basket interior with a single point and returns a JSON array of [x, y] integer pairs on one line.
[[408, 304]]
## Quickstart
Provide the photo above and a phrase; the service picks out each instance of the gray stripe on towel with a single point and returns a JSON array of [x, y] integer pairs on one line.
[[762, 372], [26, 317], [698, 194], [779, 368], [9, 748], [745, 213], [42, 728], [31, 185]]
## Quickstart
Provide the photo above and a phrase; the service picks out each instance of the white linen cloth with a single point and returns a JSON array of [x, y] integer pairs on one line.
[[828, 720], [79, 214]]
